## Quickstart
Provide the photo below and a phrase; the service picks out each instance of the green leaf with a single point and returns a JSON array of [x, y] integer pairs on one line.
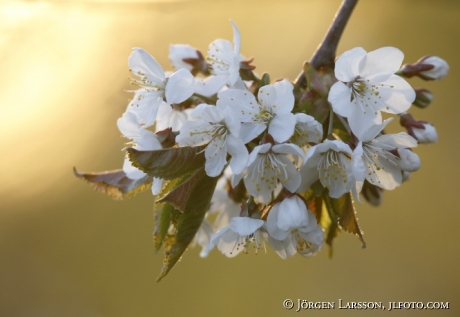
[[168, 215], [168, 163], [189, 222], [115, 183]]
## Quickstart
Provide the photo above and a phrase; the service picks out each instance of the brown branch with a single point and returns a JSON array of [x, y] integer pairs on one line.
[[325, 53]]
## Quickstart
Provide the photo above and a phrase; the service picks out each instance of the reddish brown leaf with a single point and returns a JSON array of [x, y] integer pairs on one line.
[[179, 196], [115, 183]]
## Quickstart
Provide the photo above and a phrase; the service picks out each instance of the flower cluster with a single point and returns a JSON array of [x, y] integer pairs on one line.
[[285, 161]]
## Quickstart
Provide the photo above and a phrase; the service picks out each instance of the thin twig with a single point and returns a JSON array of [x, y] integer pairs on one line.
[[325, 53]]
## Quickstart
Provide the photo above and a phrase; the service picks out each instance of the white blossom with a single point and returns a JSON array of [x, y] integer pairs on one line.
[[220, 131], [272, 109], [235, 237], [225, 63], [293, 228], [306, 130], [155, 86], [384, 157], [331, 163], [367, 85], [269, 164]]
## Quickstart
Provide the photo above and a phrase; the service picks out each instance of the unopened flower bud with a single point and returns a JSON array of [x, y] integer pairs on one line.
[[439, 70], [426, 135], [410, 162], [423, 97], [185, 56], [372, 194], [423, 131], [428, 68]]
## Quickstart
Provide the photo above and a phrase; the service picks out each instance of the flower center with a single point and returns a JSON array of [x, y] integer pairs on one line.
[[268, 170], [265, 115], [332, 169], [374, 157], [366, 95]]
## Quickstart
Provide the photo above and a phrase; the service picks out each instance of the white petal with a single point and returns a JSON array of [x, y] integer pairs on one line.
[[157, 185], [241, 103], [292, 180], [278, 246], [226, 241], [427, 135], [282, 127], [236, 39], [292, 214], [397, 95], [288, 148], [128, 125], [190, 135], [131, 171], [410, 162], [381, 63], [145, 105], [308, 171], [284, 102], [258, 149], [216, 158], [387, 177], [339, 97], [232, 123], [315, 236], [360, 121], [357, 162], [147, 141], [392, 141], [180, 86], [245, 226], [168, 117], [203, 238], [239, 153], [179, 52], [267, 96], [143, 62], [249, 131], [272, 224], [210, 86], [373, 131], [347, 65]]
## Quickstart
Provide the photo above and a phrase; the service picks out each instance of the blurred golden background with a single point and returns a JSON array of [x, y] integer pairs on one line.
[[66, 250]]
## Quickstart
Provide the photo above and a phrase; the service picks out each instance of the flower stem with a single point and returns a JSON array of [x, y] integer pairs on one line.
[[331, 121], [325, 53]]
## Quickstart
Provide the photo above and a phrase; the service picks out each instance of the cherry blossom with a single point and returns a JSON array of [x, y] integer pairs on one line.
[[272, 109], [155, 86], [331, 163], [385, 157], [367, 85], [269, 164], [293, 228], [235, 237], [220, 131]]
